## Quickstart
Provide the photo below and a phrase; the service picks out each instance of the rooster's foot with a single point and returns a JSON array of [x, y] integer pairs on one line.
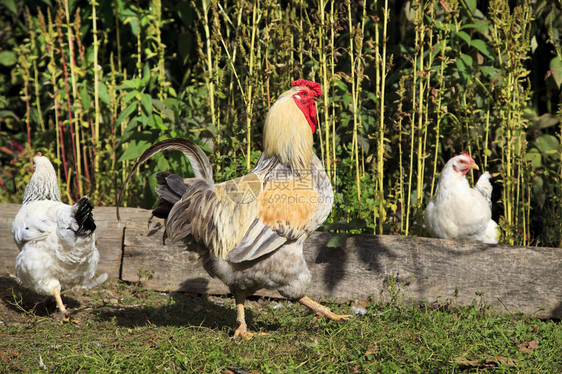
[[64, 317], [322, 311], [242, 332]]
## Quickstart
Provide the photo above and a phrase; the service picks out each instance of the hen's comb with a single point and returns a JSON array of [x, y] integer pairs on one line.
[[465, 153], [315, 87]]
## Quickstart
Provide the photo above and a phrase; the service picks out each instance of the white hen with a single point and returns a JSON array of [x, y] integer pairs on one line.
[[457, 211], [56, 240]]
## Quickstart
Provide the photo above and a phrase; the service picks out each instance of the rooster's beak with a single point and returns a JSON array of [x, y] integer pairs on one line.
[[473, 166]]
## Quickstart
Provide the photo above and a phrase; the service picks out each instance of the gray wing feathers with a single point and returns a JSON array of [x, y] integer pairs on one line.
[[258, 241]]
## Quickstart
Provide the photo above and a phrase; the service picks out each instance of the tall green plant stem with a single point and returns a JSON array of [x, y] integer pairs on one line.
[[27, 106], [33, 37], [421, 113], [401, 99], [326, 85], [439, 112], [487, 138], [97, 115], [209, 80], [68, 100], [381, 64], [157, 4], [249, 91], [49, 34], [354, 94], [332, 74], [75, 120], [412, 133]]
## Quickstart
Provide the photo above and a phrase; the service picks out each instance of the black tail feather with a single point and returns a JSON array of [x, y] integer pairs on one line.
[[172, 188], [84, 217]]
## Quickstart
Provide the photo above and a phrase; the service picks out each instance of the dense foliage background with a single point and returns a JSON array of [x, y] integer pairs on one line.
[[407, 84]]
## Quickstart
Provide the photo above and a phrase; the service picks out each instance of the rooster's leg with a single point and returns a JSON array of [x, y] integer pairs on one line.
[[242, 328], [62, 309], [322, 311]]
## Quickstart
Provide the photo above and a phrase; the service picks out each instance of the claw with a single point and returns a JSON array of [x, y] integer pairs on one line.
[[242, 332], [64, 317]]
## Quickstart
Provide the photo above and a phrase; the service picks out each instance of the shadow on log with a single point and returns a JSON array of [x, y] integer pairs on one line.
[[508, 278]]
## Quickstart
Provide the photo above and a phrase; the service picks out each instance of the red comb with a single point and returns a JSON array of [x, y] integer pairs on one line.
[[39, 154], [465, 153], [315, 87]]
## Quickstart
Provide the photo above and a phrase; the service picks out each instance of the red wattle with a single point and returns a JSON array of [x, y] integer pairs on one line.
[[309, 111]]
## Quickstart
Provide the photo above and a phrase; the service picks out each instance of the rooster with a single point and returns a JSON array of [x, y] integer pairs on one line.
[[56, 240], [457, 211], [250, 231]]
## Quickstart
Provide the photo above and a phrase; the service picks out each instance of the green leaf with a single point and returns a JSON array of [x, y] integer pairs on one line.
[[484, 48], [464, 36], [103, 93], [8, 113], [139, 142], [548, 145], [162, 164], [126, 113], [130, 131], [169, 114], [538, 190], [128, 16], [8, 58], [480, 27], [85, 97], [533, 156], [130, 95], [11, 5], [158, 122], [145, 75], [466, 60], [556, 70], [490, 71], [471, 4], [134, 150], [146, 101], [129, 84], [159, 105], [464, 66]]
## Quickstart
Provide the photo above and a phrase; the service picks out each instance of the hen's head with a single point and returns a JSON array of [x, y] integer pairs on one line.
[[42, 163], [43, 183], [290, 123], [462, 163]]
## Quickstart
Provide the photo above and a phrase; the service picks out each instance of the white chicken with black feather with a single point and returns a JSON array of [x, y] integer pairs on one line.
[[56, 240]]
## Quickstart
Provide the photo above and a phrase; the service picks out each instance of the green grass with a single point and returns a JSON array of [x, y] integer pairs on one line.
[[127, 329]]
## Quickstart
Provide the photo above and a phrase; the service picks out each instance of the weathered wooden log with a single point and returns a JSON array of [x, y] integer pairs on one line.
[[8, 248], [509, 278]]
